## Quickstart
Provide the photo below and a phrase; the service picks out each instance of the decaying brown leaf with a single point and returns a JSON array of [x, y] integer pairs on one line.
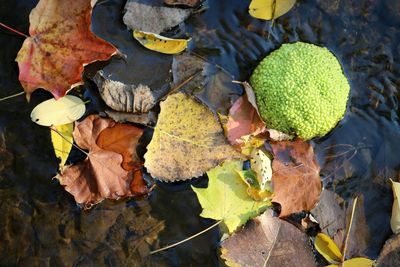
[[187, 141], [390, 253], [295, 177], [101, 174], [189, 3], [152, 17], [268, 241]]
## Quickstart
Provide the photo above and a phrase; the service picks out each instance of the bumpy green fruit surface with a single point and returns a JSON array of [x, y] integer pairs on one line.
[[300, 89]]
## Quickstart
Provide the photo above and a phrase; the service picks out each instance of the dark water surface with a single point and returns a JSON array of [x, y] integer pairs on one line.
[[40, 224]]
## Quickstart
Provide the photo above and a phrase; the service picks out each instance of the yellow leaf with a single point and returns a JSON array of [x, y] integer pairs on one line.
[[327, 248], [358, 262], [61, 146], [188, 140], [58, 112], [270, 9], [261, 164], [395, 220], [160, 43], [250, 143]]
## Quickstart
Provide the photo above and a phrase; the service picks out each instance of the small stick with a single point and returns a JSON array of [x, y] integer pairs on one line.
[[348, 231], [13, 30], [184, 240], [11, 96]]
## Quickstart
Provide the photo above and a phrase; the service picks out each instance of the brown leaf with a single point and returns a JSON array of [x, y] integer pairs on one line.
[[268, 241], [101, 174], [390, 253], [295, 177], [189, 3], [61, 43], [122, 139]]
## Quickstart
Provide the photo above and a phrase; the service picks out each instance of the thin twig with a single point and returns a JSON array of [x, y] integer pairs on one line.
[[12, 96], [13, 30], [349, 229], [179, 86], [63, 137], [187, 239]]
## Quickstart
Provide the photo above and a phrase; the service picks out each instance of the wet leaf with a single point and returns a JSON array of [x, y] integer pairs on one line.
[[58, 112], [249, 177], [61, 43], [295, 177], [268, 241], [122, 139], [160, 43], [61, 146], [151, 17], [395, 220], [226, 197], [270, 9], [327, 248], [260, 163], [101, 174], [188, 3], [187, 141], [390, 253], [210, 84], [355, 262]]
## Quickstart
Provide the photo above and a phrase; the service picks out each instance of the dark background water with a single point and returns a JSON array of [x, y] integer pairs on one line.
[[41, 225]]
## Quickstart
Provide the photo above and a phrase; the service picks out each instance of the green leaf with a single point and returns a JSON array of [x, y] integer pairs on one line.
[[58, 112], [270, 9], [226, 197], [62, 145]]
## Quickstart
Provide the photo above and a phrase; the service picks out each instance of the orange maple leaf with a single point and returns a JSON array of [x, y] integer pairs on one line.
[[61, 44]]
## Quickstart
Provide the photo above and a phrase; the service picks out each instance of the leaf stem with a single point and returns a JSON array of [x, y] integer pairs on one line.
[[186, 239], [11, 96], [349, 229], [13, 30], [63, 137]]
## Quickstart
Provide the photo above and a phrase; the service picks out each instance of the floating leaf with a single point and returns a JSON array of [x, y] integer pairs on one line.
[[187, 141], [327, 248], [355, 262], [270, 9], [101, 174], [395, 220], [260, 163], [62, 144], [253, 188], [226, 197], [160, 43], [149, 16], [268, 241], [61, 43], [58, 112], [295, 171], [390, 253]]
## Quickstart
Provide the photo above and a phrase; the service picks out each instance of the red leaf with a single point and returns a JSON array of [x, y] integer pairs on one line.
[[295, 177], [61, 43], [101, 174]]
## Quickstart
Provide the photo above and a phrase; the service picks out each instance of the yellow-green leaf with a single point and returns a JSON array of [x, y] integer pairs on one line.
[[355, 262], [327, 248], [62, 145], [253, 188], [160, 43], [188, 140], [270, 9], [226, 197], [261, 164], [395, 220], [58, 112]]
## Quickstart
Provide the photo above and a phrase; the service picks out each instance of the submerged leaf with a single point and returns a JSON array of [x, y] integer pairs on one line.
[[268, 241], [61, 43], [395, 219], [270, 9], [187, 141], [101, 174], [160, 43], [58, 112], [327, 248], [62, 144], [226, 197], [295, 178]]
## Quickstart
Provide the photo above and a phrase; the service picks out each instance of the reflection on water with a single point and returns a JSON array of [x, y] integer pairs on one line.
[[39, 222]]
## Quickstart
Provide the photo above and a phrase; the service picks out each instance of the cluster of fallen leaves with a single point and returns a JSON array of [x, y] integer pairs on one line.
[[191, 136]]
